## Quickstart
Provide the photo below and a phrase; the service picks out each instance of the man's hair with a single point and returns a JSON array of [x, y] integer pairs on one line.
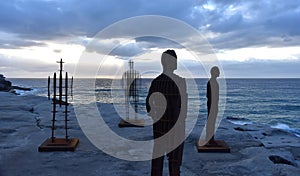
[[166, 56]]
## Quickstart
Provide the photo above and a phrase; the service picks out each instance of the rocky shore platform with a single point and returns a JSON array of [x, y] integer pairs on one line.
[[25, 121]]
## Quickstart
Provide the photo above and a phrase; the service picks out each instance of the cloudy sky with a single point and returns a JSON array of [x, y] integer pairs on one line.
[[249, 38]]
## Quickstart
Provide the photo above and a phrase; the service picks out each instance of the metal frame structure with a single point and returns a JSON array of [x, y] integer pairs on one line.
[[59, 103], [131, 82]]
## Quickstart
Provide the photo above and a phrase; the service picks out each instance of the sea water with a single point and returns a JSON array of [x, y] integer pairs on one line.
[[275, 102]]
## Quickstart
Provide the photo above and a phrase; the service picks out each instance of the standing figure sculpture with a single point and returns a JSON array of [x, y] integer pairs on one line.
[[208, 142], [212, 94], [166, 103]]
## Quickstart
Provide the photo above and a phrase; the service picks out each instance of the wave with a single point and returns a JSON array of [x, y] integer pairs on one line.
[[282, 126], [34, 91], [20, 92], [238, 120], [285, 127], [25, 92]]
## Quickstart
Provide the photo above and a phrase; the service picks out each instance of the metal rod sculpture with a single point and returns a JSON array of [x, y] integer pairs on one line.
[[61, 99], [131, 82]]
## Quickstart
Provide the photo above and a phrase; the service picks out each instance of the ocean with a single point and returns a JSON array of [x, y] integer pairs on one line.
[[275, 102]]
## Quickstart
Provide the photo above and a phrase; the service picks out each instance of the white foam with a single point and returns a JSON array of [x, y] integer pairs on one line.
[[24, 92], [285, 127], [240, 122], [20, 92], [281, 126]]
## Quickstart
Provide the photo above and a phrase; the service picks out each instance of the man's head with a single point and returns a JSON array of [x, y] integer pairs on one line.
[[169, 60], [215, 72]]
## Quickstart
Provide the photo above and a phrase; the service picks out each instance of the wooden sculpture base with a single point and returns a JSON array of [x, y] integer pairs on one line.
[[221, 147], [131, 123], [59, 144]]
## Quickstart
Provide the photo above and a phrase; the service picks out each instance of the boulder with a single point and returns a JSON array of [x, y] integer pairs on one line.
[[4, 84]]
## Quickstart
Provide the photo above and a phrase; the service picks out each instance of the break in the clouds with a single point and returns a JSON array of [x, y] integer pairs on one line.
[[230, 26]]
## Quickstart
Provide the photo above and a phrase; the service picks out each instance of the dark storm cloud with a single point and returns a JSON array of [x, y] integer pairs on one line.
[[252, 23], [238, 23], [54, 18], [135, 47], [152, 42], [128, 50], [116, 47]]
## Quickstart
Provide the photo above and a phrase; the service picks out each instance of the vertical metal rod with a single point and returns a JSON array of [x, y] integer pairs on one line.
[[135, 94], [48, 87], [72, 87], [130, 82], [60, 87], [126, 95], [130, 85], [54, 107], [66, 105]]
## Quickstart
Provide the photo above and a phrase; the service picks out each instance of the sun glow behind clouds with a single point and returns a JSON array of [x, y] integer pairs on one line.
[[49, 53], [209, 6]]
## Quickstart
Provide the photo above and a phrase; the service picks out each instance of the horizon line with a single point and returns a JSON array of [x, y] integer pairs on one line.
[[155, 77]]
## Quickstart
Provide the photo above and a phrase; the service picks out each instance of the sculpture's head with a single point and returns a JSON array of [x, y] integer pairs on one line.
[[215, 72], [169, 60]]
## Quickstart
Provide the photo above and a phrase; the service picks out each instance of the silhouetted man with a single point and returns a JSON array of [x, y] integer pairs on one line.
[[212, 95], [167, 105]]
